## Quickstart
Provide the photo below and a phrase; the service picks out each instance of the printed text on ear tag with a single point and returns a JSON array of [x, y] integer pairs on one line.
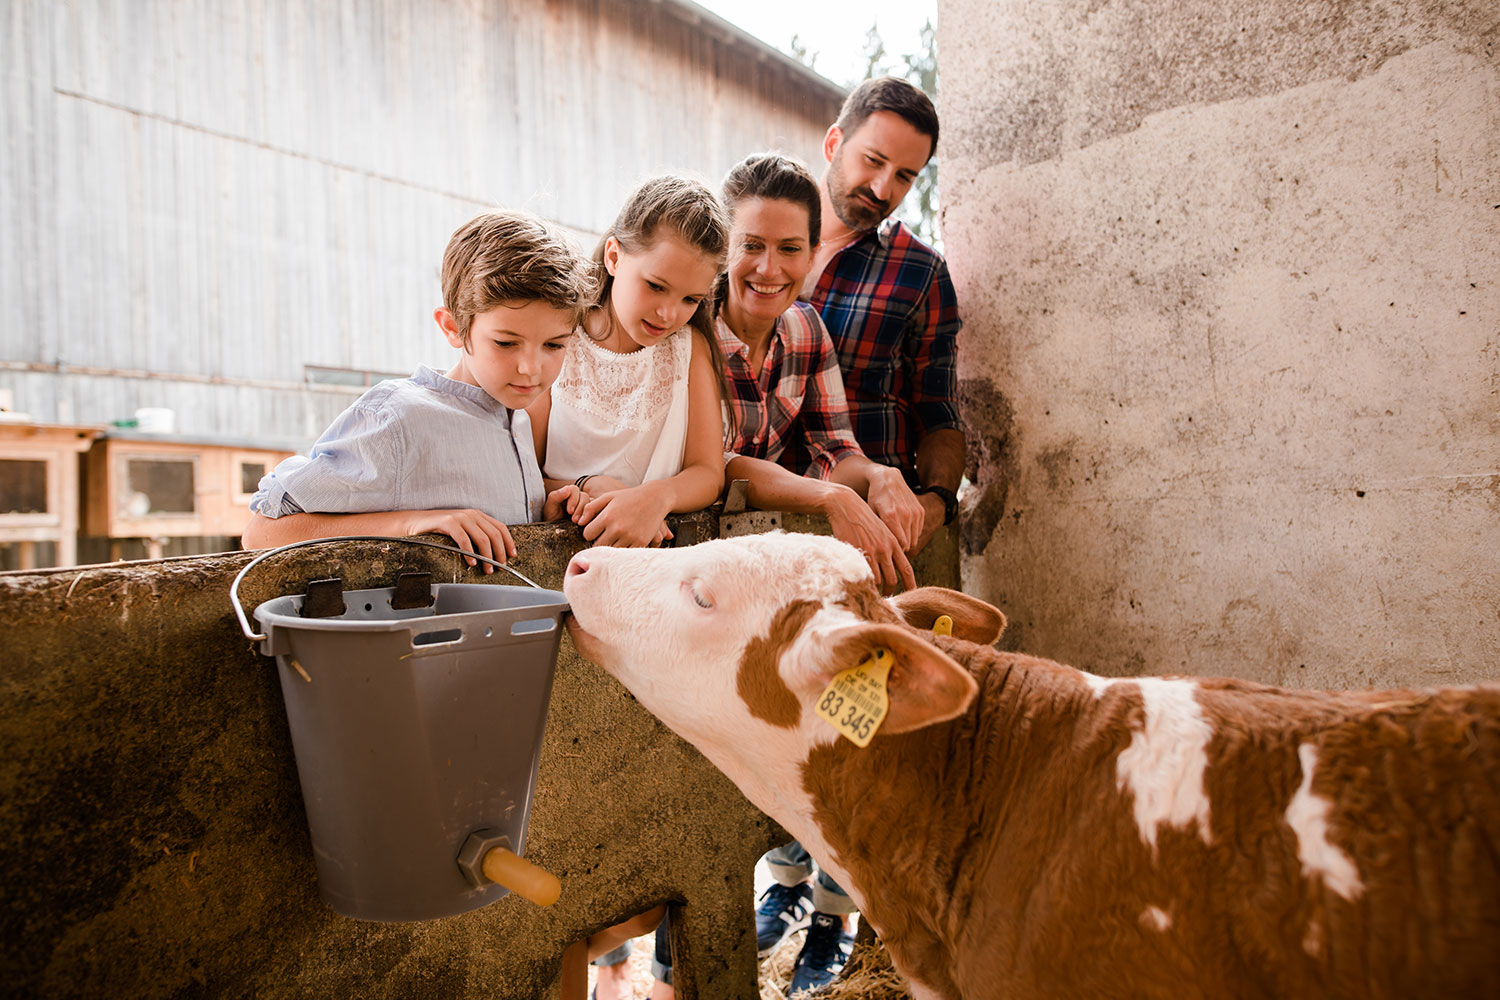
[[855, 701], [943, 625]]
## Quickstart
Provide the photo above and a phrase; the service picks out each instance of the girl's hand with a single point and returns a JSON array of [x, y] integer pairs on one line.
[[564, 502], [895, 504], [627, 518], [594, 487], [854, 522], [471, 530]]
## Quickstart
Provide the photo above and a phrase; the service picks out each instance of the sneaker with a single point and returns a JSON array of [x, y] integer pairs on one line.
[[783, 909], [823, 954]]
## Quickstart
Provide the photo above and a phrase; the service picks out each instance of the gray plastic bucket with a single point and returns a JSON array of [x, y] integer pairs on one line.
[[413, 729]]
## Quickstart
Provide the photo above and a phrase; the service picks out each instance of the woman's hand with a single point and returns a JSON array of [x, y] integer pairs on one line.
[[630, 518], [896, 505], [471, 530], [853, 521]]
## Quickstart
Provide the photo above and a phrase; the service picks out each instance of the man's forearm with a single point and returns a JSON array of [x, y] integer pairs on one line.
[[940, 459]]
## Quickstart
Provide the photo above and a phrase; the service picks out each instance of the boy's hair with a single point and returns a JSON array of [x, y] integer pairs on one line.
[[505, 257], [889, 93], [690, 212]]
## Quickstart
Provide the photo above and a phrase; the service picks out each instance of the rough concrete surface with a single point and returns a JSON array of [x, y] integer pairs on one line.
[[1231, 361], [154, 838]]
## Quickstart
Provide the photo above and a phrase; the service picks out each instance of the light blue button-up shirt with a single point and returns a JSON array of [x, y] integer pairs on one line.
[[422, 443]]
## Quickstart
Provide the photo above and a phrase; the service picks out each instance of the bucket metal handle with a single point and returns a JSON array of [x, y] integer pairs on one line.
[[239, 610]]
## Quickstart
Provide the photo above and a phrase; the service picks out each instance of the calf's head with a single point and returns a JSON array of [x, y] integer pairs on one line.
[[731, 642]]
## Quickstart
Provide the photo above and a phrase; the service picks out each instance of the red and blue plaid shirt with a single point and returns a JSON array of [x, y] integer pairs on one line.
[[889, 306], [798, 387]]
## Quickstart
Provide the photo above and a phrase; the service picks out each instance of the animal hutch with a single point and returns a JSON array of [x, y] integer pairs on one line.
[[156, 486], [39, 492]]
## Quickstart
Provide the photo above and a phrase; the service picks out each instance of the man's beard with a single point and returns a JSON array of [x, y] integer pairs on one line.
[[852, 212]]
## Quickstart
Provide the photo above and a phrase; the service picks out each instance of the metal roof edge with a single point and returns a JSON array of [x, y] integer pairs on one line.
[[697, 16]]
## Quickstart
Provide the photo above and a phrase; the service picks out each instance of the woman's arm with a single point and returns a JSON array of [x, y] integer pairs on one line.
[[771, 487], [471, 530]]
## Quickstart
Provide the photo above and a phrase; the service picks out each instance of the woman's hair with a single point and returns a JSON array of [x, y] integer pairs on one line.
[[683, 208], [776, 177]]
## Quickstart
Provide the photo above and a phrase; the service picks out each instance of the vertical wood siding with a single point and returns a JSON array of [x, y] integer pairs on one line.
[[235, 191]]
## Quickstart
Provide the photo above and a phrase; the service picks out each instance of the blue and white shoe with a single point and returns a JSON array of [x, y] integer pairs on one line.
[[823, 954], [783, 909]]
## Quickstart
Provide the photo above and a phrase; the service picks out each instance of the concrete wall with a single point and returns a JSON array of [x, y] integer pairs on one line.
[[155, 843], [1231, 281]]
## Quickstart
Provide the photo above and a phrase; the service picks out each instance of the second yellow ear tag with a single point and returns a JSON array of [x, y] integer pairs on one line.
[[943, 625], [855, 702]]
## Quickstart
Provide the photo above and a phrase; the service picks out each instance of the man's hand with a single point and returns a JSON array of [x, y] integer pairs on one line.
[[471, 530], [854, 522], [628, 518], [895, 504], [933, 513]]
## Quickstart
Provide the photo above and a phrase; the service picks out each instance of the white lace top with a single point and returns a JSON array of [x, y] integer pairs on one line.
[[620, 415]]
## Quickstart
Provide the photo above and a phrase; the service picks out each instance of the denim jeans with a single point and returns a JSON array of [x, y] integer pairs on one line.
[[791, 865]]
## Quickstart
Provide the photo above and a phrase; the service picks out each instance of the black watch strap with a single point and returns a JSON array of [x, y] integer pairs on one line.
[[950, 500]]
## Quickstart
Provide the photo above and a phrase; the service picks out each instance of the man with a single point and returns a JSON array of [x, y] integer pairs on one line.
[[889, 305], [886, 296]]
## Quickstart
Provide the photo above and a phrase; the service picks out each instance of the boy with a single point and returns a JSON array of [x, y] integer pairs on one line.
[[448, 453]]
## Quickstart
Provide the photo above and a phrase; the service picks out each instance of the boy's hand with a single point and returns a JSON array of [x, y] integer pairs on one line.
[[471, 530], [564, 502], [626, 518]]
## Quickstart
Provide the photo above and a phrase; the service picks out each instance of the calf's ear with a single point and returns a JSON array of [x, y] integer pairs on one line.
[[973, 619], [925, 684]]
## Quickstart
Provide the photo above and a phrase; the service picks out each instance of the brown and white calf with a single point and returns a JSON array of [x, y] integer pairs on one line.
[[1018, 828]]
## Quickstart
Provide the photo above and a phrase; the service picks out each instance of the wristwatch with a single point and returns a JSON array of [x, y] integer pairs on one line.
[[950, 501]]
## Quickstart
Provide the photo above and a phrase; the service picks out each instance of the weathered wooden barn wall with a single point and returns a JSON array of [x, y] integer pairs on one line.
[[200, 199], [1231, 275]]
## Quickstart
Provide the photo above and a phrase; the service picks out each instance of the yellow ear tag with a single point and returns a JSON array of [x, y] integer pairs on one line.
[[943, 625], [855, 701]]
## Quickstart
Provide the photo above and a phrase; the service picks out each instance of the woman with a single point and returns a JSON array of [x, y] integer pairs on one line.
[[784, 379]]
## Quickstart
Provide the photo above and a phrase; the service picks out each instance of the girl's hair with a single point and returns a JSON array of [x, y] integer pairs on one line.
[[778, 178], [679, 207]]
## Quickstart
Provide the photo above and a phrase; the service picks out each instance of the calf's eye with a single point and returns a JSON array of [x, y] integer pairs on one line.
[[699, 599]]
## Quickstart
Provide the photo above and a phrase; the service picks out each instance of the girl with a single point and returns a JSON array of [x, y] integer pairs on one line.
[[784, 382], [632, 427]]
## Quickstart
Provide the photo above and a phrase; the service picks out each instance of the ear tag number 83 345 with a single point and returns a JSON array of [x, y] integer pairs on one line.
[[855, 701]]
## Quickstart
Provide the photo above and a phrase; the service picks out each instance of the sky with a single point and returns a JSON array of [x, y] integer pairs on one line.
[[831, 30]]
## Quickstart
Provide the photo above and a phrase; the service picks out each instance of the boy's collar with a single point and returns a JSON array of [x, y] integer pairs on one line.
[[437, 381]]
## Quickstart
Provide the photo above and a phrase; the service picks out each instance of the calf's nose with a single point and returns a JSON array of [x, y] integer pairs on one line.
[[578, 565]]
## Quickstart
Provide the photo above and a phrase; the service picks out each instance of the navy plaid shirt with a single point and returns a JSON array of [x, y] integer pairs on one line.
[[889, 305]]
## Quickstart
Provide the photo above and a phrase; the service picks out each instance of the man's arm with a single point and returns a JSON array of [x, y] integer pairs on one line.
[[940, 453]]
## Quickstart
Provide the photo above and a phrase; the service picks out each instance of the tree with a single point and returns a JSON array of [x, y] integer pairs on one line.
[[800, 53], [920, 208]]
